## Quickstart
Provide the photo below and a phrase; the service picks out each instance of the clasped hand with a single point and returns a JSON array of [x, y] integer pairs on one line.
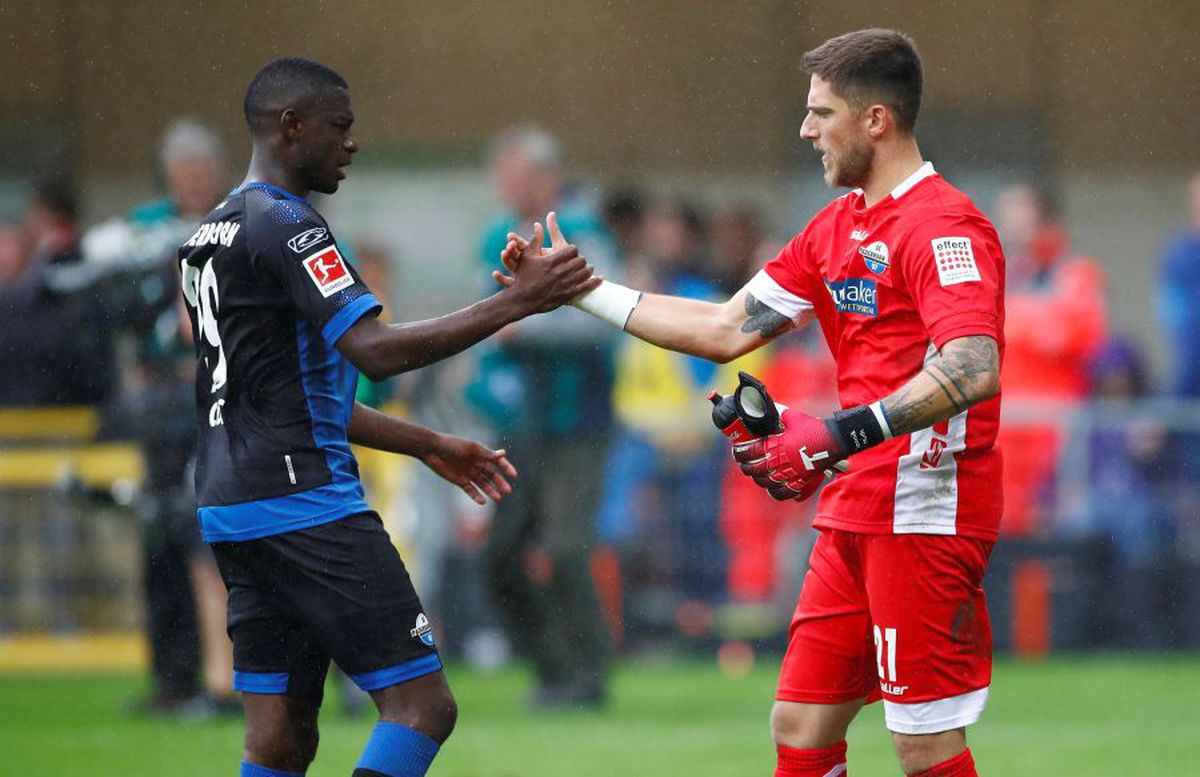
[[523, 257]]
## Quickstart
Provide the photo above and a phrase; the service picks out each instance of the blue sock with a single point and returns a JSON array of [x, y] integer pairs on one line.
[[397, 751], [254, 770]]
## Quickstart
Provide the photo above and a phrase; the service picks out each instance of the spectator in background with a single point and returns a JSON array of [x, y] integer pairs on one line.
[[192, 657], [663, 474], [1179, 311], [1125, 498], [54, 346], [546, 387], [625, 215], [51, 224], [737, 244], [1055, 322], [1179, 298], [768, 547]]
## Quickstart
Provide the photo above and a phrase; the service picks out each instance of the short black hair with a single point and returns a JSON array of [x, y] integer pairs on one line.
[[624, 205], [283, 82], [57, 196], [872, 65]]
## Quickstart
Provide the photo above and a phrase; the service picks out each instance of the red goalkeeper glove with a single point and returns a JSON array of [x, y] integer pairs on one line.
[[793, 463]]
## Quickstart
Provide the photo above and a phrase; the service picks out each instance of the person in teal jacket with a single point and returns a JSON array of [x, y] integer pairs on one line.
[[546, 387]]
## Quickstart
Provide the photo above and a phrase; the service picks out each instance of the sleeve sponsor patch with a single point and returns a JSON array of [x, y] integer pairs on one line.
[[328, 271], [307, 239], [955, 260]]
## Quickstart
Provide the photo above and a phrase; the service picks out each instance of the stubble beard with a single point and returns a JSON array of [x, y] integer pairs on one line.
[[852, 168]]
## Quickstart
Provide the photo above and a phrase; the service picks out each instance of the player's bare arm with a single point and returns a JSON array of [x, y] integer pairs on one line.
[[475, 468], [541, 284], [965, 373], [717, 331]]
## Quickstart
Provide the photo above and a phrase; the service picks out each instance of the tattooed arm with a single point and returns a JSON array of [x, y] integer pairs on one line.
[[719, 332], [966, 372], [793, 463]]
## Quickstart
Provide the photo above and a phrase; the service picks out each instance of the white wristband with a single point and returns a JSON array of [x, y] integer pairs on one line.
[[881, 417], [609, 302]]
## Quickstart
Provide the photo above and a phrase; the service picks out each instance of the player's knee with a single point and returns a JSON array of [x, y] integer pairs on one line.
[[810, 725], [440, 715], [917, 752], [287, 749], [791, 726], [432, 711]]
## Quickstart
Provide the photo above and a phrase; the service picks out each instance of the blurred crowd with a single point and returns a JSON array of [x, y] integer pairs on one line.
[[630, 529]]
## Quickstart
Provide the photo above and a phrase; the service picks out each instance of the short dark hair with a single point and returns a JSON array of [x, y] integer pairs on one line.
[[57, 196], [872, 65], [282, 82]]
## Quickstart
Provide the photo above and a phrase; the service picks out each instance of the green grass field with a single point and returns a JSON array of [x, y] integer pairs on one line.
[[1096, 716]]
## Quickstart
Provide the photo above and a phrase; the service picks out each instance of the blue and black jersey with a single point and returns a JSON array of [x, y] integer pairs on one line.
[[269, 294]]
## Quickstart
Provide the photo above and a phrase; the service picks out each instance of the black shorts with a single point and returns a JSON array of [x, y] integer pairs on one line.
[[336, 591]]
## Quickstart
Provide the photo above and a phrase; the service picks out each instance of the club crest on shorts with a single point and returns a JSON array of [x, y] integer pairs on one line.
[[328, 271], [423, 631], [875, 256]]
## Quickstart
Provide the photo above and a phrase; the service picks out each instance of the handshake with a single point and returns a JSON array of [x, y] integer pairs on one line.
[[788, 453]]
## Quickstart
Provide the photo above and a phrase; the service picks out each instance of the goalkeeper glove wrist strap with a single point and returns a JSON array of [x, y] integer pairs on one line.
[[609, 302], [861, 427]]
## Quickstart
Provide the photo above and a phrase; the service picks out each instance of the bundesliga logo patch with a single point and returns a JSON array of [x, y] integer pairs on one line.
[[955, 260], [328, 271]]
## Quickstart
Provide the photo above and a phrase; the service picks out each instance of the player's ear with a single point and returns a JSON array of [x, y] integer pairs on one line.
[[877, 118], [289, 123]]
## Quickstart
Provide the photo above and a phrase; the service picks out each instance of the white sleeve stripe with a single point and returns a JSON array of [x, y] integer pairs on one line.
[[767, 291]]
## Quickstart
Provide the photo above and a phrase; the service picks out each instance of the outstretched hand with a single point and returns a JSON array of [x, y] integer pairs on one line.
[[545, 279], [519, 248], [475, 468]]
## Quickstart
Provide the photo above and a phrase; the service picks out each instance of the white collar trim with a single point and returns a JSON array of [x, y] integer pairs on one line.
[[923, 172]]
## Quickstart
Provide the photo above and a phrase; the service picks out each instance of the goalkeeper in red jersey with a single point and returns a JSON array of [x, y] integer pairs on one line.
[[906, 278]]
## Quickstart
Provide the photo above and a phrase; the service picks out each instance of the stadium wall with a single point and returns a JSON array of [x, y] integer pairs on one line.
[[1082, 95]]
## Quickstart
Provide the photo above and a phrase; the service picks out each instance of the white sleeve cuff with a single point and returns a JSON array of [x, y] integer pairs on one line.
[[767, 291]]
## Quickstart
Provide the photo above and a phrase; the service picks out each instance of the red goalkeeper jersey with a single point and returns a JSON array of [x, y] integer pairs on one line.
[[890, 285]]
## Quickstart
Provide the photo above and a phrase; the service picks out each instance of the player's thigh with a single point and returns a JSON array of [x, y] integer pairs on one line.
[[930, 628], [348, 586], [828, 658], [273, 652]]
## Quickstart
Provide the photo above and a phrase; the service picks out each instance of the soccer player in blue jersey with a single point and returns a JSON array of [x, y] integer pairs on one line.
[[282, 325]]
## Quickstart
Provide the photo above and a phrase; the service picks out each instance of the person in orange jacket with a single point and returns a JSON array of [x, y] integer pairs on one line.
[[1056, 321]]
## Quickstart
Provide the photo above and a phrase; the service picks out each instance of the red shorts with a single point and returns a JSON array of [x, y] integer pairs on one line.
[[900, 617]]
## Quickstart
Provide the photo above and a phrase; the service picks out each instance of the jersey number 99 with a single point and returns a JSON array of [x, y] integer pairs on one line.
[[200, 291]]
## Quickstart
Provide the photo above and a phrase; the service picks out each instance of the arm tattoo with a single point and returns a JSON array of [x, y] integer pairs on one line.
[[767, 322], [966, 372], [932, 371], [965, 360], [908, 409]]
